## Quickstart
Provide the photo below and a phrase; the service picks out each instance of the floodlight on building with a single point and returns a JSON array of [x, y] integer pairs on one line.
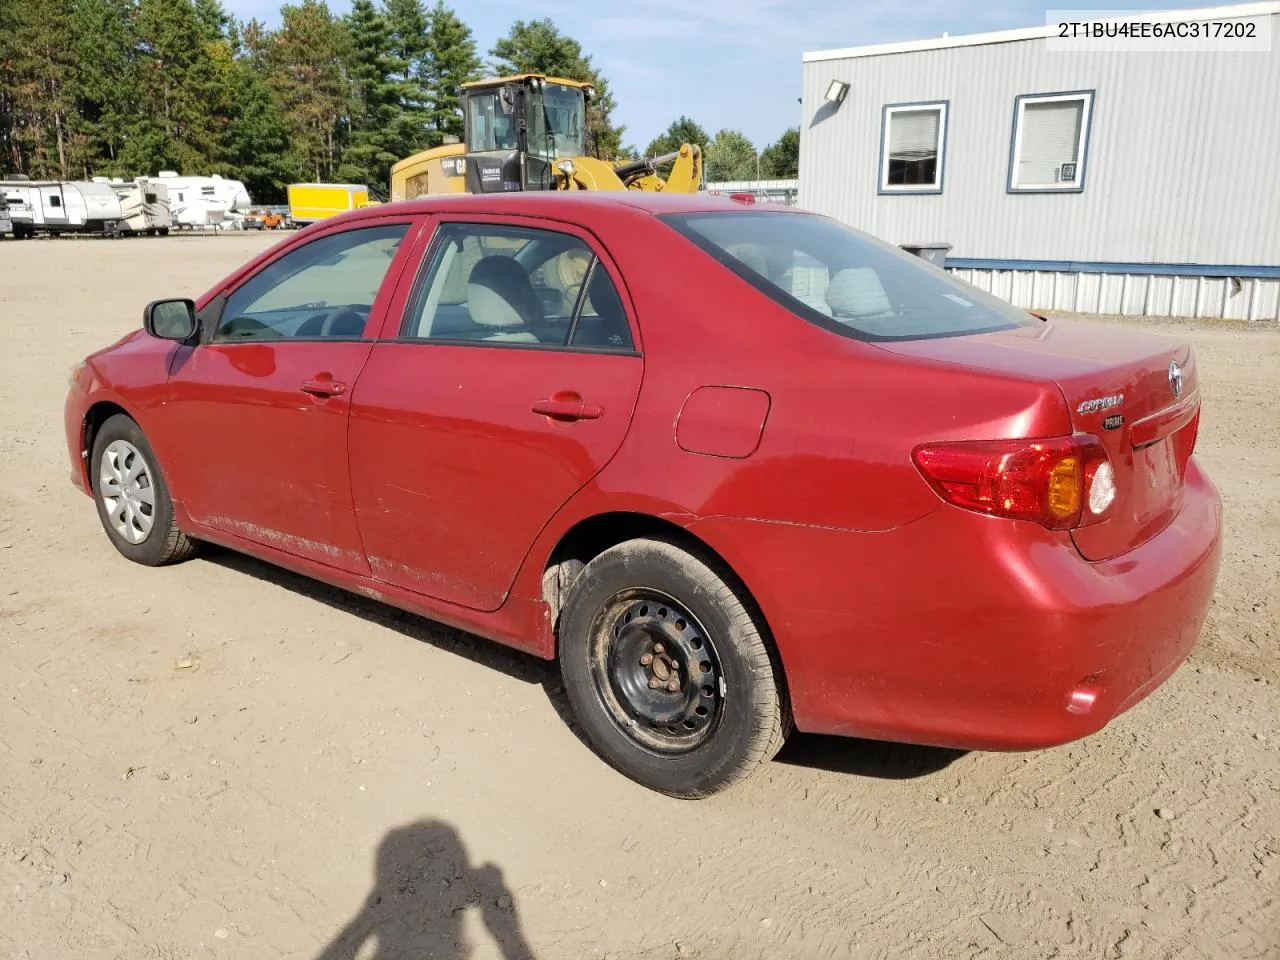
[[836, 92]]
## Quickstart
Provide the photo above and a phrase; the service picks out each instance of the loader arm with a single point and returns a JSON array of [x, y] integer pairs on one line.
[[588, 173]]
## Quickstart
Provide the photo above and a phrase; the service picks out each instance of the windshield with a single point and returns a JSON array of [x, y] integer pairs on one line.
[[844, 280], [563, 110], [488, 128]]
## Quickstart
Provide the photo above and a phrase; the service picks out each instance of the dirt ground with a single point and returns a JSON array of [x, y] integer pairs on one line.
[[221, 760]]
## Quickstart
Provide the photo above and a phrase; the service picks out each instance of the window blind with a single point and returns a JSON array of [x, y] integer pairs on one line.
[[913, 134], [1050, 134]]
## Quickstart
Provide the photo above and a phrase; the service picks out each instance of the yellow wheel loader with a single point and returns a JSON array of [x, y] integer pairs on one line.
[[528, 132]]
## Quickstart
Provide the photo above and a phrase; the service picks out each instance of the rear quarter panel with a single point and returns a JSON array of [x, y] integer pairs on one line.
[[834, 454], [843, 415]]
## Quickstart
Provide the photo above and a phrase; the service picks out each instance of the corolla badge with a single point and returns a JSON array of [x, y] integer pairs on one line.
[[1101, 403], [1175, 378]]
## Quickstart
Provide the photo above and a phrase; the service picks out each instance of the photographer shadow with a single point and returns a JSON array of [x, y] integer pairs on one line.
[[423, 888]]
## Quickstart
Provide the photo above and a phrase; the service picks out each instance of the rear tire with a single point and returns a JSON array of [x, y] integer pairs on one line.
[[668, 670], [133, 498]]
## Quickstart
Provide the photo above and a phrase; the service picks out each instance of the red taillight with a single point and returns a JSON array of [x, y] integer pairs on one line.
[[742, 197], [1046, 481]]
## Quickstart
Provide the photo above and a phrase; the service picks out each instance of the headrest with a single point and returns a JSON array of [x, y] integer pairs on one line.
[[499, 294], [856, 292]]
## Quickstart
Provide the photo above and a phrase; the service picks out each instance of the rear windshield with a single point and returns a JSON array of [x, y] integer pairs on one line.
[[844, 280]]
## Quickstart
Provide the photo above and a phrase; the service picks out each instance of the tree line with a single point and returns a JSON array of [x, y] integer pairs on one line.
[[131, 87], [730, 155]]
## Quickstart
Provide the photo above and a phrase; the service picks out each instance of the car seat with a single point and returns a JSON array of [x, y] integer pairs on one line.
[[501, 299], [855, 293]]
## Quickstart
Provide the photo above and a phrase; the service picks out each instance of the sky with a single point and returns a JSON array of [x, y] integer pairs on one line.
[[728, 64]]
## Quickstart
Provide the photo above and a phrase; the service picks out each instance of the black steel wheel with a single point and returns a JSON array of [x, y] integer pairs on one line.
[[657, 672], [668, 669]]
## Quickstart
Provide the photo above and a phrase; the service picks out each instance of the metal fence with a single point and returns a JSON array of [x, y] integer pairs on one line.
[[765, 191]]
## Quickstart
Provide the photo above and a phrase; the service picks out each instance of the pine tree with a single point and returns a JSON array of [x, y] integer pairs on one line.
[[450, 60], [306, 70], [374, 103], [215, 21], [407, 36], [255, 43], [185, 83], [407, 23], [104, 80], [36, 78], [258, 139], [10, 158], [257, 136]]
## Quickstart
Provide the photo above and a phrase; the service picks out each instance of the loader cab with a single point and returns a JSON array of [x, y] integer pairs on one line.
[[517, 128]]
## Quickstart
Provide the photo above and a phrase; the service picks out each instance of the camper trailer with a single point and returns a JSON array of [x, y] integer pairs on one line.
[[198, 202], [144, 205], [64, 207], [16, 194]]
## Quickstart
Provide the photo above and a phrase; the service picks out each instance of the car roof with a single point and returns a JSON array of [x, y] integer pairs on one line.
[[569, 204]]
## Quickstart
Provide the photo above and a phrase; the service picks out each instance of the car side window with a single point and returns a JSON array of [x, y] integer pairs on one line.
[[323, 289], [516, 285]]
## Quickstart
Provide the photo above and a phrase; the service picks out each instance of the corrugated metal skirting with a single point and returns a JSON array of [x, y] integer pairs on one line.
[[1132, 295]]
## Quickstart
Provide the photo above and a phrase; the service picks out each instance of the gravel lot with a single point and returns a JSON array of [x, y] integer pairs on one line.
[[222, 760]]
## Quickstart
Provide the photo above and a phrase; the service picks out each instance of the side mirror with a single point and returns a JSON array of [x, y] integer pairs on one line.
[[170, 319]]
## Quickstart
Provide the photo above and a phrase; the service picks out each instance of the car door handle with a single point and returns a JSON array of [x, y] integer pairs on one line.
[[324, 388], [568, 409]]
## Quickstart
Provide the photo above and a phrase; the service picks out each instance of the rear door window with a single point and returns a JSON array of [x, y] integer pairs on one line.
[[844, 280], [505, 284]]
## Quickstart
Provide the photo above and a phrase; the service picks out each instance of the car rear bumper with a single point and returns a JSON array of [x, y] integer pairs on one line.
[[967, 631]]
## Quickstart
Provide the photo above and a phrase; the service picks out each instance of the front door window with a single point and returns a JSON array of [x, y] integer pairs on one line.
[[323, 289]]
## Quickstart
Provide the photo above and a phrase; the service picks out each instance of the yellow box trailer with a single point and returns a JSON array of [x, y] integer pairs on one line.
[[309, 202]]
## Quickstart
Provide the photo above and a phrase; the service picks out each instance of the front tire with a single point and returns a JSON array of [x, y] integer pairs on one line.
[[668, 670], [132, 496]]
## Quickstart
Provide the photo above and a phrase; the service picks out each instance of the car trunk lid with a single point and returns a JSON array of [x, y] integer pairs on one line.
[[1136, 392]]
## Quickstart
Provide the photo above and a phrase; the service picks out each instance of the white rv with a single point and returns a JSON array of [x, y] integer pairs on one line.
[[16, 194], [205, 201], [62, 207], [6, 225], [144, 205]]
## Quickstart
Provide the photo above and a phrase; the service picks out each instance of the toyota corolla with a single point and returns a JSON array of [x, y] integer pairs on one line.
[[740, 470]]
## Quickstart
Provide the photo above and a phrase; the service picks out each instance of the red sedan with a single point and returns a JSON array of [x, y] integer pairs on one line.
[[739, 469]]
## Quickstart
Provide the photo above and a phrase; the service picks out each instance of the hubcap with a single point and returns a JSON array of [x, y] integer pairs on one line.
[[124, 484], [657, 672]]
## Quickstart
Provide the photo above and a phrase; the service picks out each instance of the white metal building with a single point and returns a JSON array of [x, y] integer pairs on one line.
[[1111, 175]]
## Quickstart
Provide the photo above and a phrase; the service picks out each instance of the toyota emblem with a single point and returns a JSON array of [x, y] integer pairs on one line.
[[1175, 378]]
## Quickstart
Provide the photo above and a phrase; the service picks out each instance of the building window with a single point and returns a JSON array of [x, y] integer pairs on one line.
[[1050, 142], [913, 146]]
